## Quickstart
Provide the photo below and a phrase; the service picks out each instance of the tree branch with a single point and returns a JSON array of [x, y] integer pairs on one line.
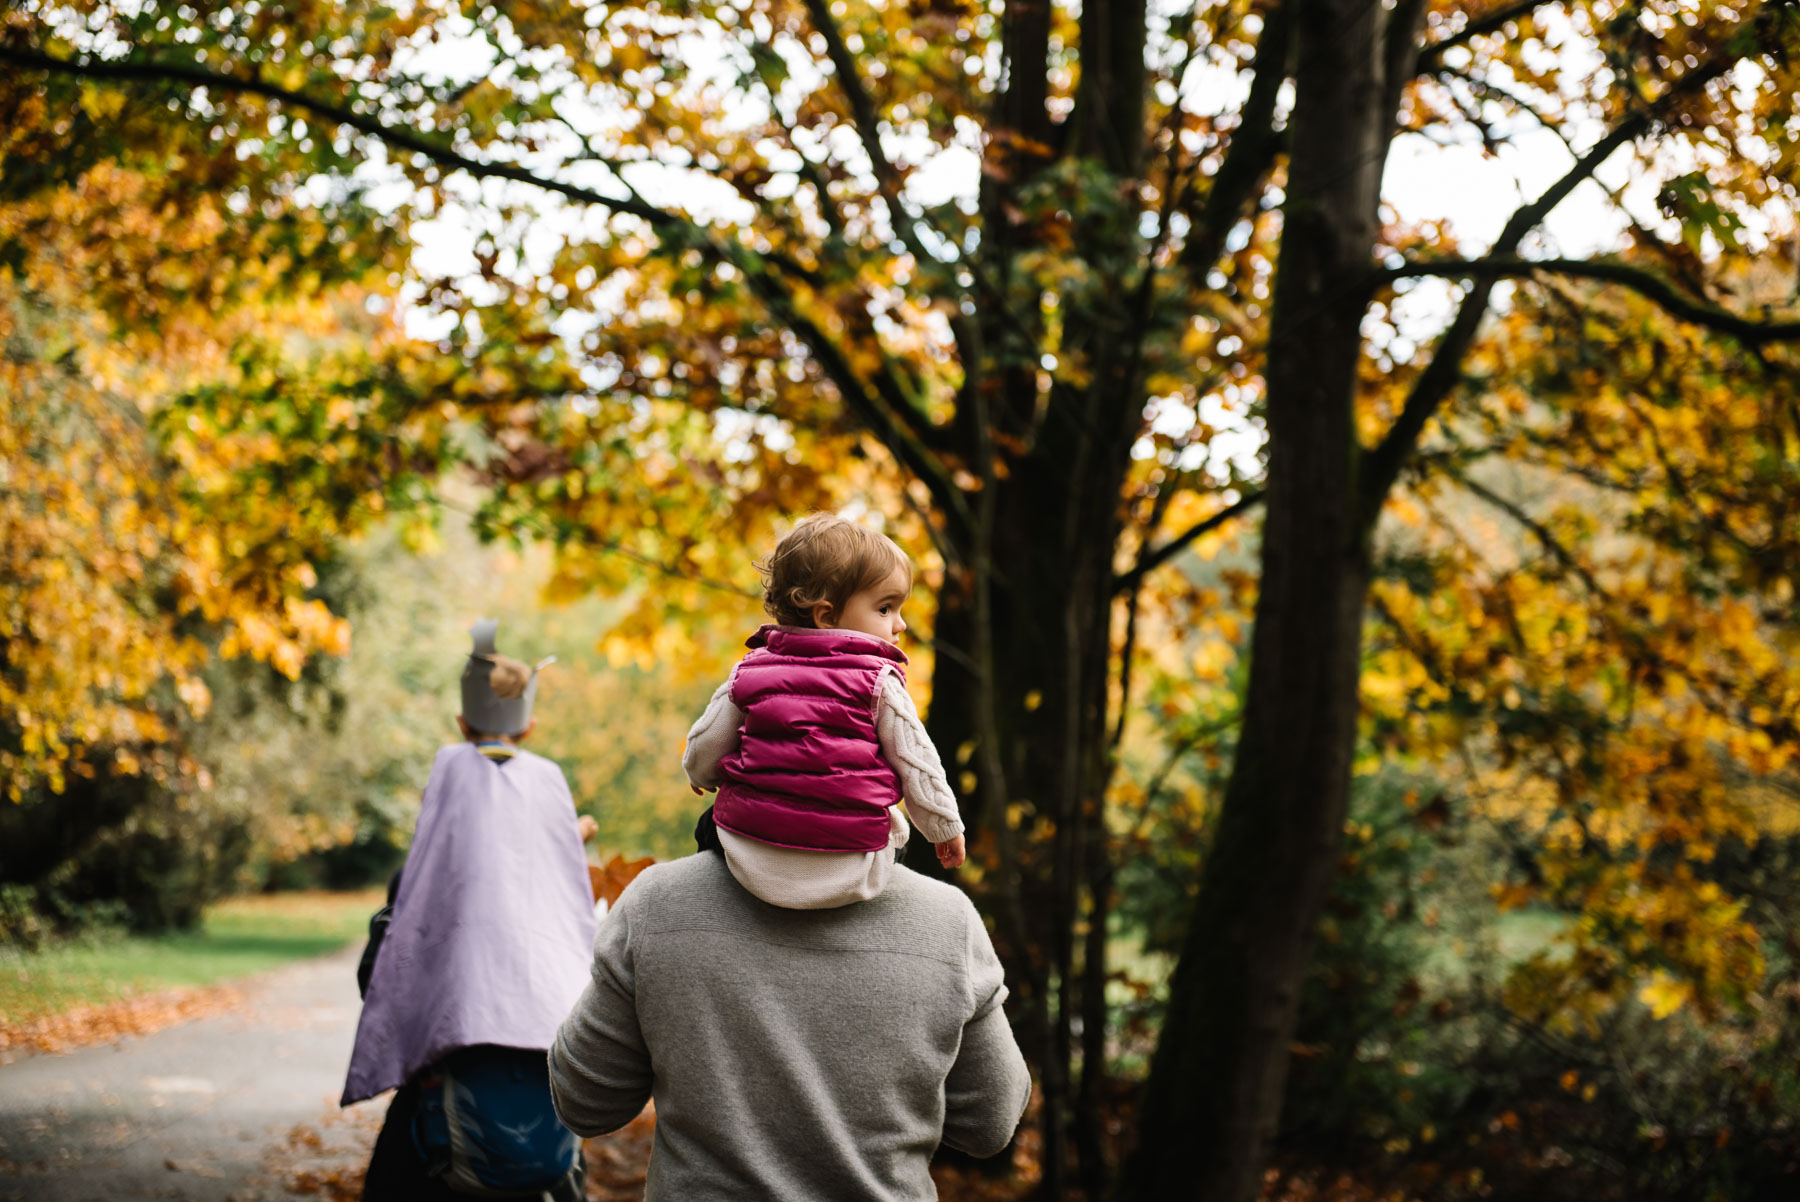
[[1493, 22], [402, 139], [1253, 147], [1645, 283], [1381, 466], [867, 120], [887, 179], [1485, 87], [1153, 558], [1398, 57], [1545, 537], [878, 410]]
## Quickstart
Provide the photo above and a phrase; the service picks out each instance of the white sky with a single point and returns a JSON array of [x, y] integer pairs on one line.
[[1474, 190]]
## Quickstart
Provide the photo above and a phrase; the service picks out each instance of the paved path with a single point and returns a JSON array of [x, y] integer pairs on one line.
[[239, 1106]]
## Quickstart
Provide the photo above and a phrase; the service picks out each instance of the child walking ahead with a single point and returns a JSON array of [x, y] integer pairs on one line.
[[814, 739], [489, 945]]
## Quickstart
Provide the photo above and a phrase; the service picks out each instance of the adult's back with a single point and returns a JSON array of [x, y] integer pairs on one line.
[[793, 1054]]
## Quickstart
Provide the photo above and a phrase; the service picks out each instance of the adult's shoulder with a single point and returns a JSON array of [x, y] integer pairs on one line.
[[946, 919], [917, 889], [692, 876], [930, 905]]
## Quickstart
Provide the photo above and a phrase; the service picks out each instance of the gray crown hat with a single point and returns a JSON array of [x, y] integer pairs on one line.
[[497, 707]]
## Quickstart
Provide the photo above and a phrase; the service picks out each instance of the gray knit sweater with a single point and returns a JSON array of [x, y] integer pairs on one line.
[[793, 1055]]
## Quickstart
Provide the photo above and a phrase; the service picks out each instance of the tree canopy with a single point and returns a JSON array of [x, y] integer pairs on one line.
[[1005, 277]]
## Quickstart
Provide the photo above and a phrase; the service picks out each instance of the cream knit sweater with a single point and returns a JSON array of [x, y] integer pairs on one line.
[[817, 880]]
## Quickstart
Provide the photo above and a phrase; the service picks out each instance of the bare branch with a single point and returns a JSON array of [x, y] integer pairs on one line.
[[1645, 283]]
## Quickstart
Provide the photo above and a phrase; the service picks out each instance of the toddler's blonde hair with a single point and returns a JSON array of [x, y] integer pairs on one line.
[[825, 559]]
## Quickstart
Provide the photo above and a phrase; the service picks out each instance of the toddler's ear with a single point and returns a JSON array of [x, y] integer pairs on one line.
[[821, 615]]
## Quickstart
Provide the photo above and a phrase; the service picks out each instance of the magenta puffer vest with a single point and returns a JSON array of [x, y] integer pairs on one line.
[[808, 771]]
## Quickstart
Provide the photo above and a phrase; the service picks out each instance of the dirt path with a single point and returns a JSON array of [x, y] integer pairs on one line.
[[240, 1105]]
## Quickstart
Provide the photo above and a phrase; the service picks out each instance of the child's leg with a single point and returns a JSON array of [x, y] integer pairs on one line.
[[706, 833]]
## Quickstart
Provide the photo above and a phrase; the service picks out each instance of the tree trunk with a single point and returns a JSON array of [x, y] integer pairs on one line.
[[1214, 1094], [1036, 795], [1024, 625], [1031, 741]]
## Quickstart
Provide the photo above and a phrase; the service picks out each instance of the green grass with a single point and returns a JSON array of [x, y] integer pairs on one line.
[[237, 938]]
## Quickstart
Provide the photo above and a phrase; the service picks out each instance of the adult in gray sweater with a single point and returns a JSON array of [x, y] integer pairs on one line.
[[795, 1055]]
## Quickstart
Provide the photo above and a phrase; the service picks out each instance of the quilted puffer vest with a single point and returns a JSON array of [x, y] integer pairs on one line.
[[808, 771]]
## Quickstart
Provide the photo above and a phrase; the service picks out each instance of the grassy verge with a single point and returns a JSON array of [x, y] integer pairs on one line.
[[238, 937]]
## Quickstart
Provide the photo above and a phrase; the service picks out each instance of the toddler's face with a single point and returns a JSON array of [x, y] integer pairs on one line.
[[873, 611]]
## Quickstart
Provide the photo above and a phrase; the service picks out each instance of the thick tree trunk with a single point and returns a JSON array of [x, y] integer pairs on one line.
[[1032, 740], [1035, 806], [1214, 1093]]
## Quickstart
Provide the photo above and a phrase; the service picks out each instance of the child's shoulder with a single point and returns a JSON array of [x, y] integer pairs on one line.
[[453, 756], [448, 754], [539, 766]]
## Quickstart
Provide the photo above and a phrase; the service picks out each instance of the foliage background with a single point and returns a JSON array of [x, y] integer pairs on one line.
[[253, 433]]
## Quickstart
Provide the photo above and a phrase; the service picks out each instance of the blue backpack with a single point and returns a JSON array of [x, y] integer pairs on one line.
[[486, 1127]]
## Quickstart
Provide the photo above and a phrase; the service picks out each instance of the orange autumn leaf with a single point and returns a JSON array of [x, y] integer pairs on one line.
[[609, 879]]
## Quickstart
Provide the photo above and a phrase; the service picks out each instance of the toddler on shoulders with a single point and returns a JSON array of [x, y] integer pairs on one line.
[[814, 739]]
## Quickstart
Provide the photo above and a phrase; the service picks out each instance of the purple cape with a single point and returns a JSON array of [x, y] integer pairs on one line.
[[493, 930]]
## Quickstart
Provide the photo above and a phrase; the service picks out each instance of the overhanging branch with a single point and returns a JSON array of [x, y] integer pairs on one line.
[[881, 413], [1645, 283], [397, 137], [1381, 466], [1492, 22], [1155, 557]]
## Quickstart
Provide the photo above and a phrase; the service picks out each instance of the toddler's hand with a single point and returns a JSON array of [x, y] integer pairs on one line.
[[699, 792], [586, 827], [952, 852]]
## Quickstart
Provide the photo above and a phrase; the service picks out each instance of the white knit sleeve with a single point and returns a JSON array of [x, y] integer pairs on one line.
[[929, 801], [713, 737]]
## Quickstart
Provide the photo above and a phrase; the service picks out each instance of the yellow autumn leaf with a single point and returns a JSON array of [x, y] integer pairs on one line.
[[1665, 996]]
